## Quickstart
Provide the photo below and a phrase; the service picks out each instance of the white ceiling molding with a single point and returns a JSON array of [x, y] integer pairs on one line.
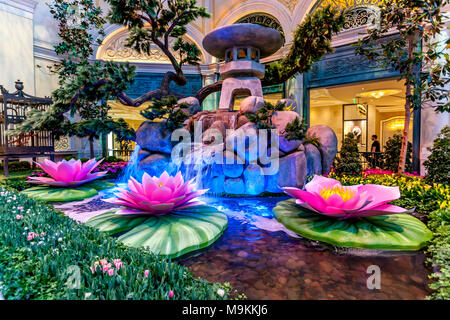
[[21, 8]]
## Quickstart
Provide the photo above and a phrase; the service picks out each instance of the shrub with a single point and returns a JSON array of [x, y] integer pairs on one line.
[[18, 166], [438, 163], [392, 154], [18, 184], [415, 192], [46, 255], [114, 169], [439, 254], [348, 161], [433, 200]]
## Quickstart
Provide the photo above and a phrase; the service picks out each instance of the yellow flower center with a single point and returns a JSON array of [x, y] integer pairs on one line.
[[160, 184], [343, 192]]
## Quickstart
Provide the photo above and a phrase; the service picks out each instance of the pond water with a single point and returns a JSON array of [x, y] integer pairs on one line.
[[263, 260]]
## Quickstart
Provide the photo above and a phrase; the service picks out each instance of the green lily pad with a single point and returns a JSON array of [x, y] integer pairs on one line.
[[171, 235], [99, 184], [388, 232], [54, 194]]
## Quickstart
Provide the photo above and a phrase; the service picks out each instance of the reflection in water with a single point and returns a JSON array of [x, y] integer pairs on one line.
[[262, 259]]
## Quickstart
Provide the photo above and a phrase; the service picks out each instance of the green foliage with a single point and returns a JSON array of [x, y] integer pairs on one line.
[[315, 141], [432, 200], [348, 161], [156, 22], [169, 110], [311, 41], [439, 254], [392, 154], [418, 53], [438, 162], [18, 184], [41, 268], [84, 87], [263, 117], [17, 166], [295, 130], [78, 21]]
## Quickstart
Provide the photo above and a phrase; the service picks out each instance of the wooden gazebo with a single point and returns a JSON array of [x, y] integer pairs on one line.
[[13, 110]]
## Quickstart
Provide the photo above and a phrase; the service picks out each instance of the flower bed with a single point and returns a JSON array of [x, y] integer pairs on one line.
[[114, 169], [45, 255], [432, 201]]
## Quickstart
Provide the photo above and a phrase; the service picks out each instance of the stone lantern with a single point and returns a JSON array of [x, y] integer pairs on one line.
[[242, 46]]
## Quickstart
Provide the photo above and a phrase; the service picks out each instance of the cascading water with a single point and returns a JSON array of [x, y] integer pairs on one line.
[[132, 169], [197, 169]]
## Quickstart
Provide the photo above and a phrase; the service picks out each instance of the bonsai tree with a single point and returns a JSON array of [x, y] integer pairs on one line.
[[157, 22], [415, 52], [168, 110], [348, 161], [438, 163], [311, 41], [392, 154], [81, 95]]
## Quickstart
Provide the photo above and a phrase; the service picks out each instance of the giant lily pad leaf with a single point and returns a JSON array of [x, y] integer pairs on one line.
[[100, 184], [112, 223], [55, 194], [171, 235], [388, 232]]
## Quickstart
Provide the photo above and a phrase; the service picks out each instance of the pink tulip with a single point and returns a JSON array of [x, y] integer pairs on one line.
[[111, 272], [68, 173], [170, 294], [156, 196], [117, 264], [328, 197], [18, 217], [146, 273]]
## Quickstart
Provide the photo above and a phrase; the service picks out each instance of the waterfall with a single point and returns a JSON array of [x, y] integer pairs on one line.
[[132, 168], [200, 167]]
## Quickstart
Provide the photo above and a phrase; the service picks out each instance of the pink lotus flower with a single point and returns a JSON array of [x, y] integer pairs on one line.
[[328, 197], [68, 173], [157, 196]]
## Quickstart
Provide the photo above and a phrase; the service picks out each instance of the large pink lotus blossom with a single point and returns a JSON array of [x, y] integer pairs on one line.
[[68, 173], [156, 196], [328, 197]]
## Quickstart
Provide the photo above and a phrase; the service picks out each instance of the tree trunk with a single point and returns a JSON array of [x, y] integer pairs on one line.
[[207, 90], [158, 94], [404, 150], [409, 84], [91, 147]]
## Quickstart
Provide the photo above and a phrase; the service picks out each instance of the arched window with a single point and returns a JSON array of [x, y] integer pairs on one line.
[[360, 12], [263, 19]]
